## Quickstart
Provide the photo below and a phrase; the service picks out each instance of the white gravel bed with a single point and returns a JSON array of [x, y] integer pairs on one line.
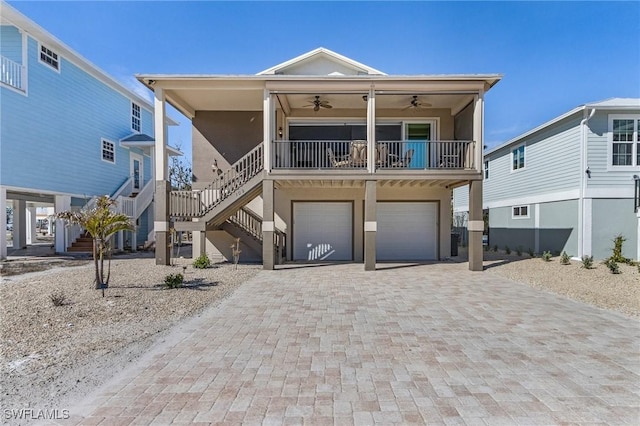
[[597, 286], [52, 355]]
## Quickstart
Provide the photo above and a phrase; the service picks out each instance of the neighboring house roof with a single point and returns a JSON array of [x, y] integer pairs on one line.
[[146, 142], [319, 54], [11, 16], [607, 104]]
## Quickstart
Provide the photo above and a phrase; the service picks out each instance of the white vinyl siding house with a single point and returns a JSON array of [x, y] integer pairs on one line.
[[577, 187]]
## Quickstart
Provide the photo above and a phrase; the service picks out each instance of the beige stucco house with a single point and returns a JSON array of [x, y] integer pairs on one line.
[[322, 158]]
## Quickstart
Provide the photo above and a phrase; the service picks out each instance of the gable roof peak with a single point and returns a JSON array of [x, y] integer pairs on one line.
[[319, 54]]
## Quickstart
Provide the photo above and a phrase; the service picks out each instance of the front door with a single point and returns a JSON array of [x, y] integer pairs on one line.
[[136, 171]]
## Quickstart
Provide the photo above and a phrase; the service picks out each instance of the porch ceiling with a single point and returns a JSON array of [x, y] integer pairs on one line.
[[190, 93], [252, 100]]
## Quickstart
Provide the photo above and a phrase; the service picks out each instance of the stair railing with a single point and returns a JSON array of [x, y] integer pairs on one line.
[[190, 204], [249, 222]]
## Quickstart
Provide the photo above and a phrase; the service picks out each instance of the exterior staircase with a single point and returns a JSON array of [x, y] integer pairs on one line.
[[210, 207], [82, 244], [221, 205], [133, 206], [247, 225]]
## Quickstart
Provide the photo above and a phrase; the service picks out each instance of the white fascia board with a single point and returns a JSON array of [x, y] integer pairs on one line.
[[321, 50], [44, 191], [573, 194], [609, 193], [17, 19], [518, 139]]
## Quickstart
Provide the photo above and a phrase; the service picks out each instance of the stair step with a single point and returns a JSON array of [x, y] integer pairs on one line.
[[80, 249]]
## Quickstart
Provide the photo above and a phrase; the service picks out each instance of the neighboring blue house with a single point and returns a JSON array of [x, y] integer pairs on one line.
[[571, 184], [68, 132]]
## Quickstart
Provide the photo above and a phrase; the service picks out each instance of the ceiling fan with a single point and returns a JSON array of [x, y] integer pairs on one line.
[[415, 103], [317, 104]]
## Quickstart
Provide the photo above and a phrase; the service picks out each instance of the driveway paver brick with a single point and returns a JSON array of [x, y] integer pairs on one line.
[[407, 344]]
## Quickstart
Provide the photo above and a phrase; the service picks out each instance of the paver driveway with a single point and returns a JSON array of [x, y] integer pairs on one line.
[[408, 345]]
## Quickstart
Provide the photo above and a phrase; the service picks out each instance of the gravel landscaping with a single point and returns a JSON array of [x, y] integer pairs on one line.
[[597, 286], [52, 355]]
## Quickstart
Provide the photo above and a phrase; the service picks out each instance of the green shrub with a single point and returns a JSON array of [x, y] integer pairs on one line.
[[531, 253], [202, 262], [495, 248], [507, 250], [174, 280], [616, 251], [613, 266], [519, 251], [58, 298], [546, 256], [587, 262], [564, 258]]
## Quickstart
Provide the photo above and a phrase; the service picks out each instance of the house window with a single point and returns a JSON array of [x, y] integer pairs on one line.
[[518, 158], [49, 57], [108, 151], [624, 136], [135, 117], [486, 170], [520, 212]]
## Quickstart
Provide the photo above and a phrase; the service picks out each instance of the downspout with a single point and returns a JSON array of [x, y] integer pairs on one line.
[[584, 166]]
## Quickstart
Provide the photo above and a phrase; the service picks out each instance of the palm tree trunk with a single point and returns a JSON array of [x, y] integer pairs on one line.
[[95, 261]]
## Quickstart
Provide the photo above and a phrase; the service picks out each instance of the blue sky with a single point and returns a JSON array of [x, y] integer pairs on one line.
[[554, 55]]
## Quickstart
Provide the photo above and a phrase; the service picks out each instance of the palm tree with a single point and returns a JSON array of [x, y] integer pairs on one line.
[[101, 222]]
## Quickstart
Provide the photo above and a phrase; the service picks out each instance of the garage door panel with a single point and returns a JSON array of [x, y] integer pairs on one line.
[[322, 231], [406, 231]]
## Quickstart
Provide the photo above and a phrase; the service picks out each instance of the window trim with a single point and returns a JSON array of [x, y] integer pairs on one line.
[[48, 65], [519, 215], [133, 117], [524, 153], [102, 150], [635, 143]]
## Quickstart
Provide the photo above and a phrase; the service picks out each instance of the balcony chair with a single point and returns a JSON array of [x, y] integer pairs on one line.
[[336, 161], [358, 153], [405, 161], [382, 155]]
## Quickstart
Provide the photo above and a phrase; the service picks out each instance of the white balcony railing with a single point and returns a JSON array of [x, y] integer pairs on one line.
[[12, 73], [407, 154]]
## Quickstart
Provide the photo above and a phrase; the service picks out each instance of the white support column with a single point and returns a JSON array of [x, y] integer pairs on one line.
[[371, 130], [268, 127], [134, 240], [587, 229], [19, 224], [120, 240], [61, 203], [638, 239], [50, 221], [478, 130], [3, 222], [31, 225], [160, 129], [161, 199], [536, 227]]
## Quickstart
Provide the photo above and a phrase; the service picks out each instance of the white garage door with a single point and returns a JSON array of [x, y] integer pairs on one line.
[[407, 231], [322, 231]]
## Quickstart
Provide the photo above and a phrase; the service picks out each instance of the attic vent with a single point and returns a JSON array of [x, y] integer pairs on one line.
[[336, 73]]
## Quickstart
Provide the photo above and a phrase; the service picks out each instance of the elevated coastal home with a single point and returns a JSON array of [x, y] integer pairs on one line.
[[322, 158], [571, 184], [69, 132]]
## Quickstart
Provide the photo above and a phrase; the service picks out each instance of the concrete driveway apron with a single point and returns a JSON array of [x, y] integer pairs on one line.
[[334, 344]]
